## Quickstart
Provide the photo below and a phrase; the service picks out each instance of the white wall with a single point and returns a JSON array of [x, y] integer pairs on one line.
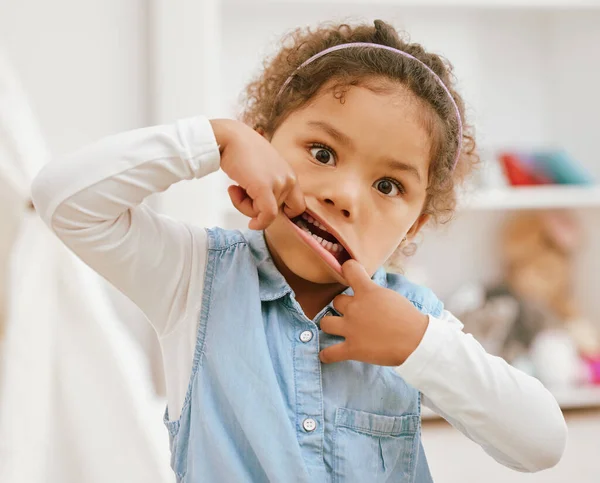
[[83, 64], [185, 62]]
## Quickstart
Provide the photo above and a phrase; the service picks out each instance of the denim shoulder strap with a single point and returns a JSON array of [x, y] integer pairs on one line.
[[422, 297]]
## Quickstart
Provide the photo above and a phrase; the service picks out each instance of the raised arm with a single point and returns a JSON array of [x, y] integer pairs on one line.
[[92, 200]]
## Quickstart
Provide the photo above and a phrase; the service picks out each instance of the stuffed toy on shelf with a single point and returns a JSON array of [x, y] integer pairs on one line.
[[532, 318]]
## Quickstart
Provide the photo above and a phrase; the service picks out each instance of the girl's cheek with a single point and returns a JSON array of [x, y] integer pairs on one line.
[[298, 164], [303, 175]]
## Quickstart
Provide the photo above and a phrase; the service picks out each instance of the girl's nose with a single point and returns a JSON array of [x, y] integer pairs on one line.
[[344, 211], [342, 196]]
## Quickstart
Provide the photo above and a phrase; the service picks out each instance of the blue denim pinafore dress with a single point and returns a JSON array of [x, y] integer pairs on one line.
[[261, 407]]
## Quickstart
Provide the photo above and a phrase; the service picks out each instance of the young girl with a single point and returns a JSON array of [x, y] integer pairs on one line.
[[290, 355]]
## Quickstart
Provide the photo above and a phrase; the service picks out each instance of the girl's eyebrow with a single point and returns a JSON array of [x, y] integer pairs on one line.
[[399, 165], [333, 132]]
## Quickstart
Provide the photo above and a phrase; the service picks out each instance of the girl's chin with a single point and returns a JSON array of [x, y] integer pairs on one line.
[[301, 259], [312, 270]]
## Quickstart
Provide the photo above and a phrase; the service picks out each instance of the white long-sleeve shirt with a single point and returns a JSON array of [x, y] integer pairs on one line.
[[92, 201]]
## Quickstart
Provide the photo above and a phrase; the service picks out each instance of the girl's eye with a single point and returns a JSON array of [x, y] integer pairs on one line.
[[389, 187], [323, 155]]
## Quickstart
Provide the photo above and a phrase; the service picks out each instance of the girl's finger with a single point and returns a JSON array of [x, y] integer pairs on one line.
[[294, 204], [340, 303], [335, 353], [333, 325], [356, 275], [241, 201], [267, 208], [282, 185]]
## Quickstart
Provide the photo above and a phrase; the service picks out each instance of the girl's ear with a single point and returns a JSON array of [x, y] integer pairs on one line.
[[417, 225]]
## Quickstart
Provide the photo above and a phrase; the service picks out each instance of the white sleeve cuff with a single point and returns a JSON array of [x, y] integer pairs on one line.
[[432, 342], [202, 150]]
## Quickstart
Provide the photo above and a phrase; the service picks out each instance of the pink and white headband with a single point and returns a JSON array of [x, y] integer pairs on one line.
[[391, 49]]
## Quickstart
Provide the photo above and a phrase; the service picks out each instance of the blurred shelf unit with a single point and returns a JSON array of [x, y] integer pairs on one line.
[[532, 198], [568, 399]]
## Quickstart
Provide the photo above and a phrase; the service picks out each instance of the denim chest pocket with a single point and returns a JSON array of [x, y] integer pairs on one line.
[[374, 448]]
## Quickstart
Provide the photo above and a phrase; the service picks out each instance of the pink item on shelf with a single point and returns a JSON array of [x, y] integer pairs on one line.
[[593, 366]]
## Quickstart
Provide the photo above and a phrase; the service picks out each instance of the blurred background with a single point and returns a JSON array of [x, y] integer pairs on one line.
[[518, 264]]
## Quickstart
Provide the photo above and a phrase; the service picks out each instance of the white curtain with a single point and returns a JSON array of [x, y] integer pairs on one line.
[[76, 400]]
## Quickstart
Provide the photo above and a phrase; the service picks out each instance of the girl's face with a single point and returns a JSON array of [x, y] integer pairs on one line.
[[362, 165]]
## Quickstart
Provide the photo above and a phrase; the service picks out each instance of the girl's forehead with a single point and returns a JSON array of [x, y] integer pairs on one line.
[[376, 122], [362, 107]]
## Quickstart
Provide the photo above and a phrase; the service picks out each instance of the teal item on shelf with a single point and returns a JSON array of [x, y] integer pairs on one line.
[[561, 168]]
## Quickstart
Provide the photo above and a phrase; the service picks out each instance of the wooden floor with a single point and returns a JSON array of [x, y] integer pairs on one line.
[[453, 458]]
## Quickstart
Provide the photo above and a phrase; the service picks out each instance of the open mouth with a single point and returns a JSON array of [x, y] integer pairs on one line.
[[322, 237]]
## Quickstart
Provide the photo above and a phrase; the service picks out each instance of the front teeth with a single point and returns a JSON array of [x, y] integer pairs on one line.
[[310, 219], [331, 247]]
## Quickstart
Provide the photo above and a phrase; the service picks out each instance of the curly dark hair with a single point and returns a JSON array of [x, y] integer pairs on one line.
[[263, 108]]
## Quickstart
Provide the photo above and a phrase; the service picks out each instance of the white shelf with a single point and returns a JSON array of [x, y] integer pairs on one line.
[[582, 397], [537, 197], [574, 398]]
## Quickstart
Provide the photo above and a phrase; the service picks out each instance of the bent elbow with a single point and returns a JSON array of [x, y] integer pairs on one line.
[[552, 446]]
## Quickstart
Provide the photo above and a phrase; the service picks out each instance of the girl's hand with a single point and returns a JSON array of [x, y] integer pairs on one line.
[[380, 326], [266, 180]]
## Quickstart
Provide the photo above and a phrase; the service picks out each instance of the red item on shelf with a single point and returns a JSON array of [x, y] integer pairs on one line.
[[518, 174]]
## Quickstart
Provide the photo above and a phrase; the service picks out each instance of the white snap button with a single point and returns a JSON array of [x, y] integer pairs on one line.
[[309, 424], [306, 336]]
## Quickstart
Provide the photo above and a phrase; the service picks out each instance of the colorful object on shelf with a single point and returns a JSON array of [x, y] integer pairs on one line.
[[562, 168], [532, 318], [516, 172], [533, 165], [542, 167], [593, 367]]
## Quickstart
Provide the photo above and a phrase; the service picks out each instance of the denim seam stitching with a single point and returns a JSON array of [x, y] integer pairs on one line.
[[321, 409], [201, 334], [374, 432], [296, 418]]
